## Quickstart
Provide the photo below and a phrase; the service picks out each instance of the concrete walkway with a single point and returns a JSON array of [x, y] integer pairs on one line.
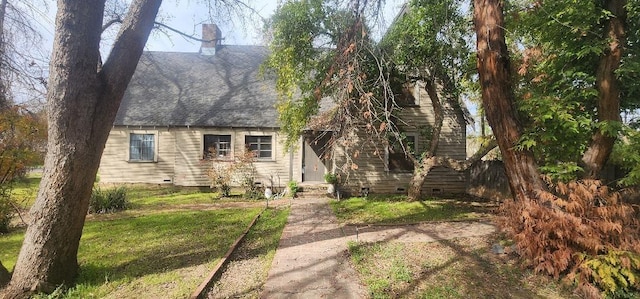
[[311, 260]]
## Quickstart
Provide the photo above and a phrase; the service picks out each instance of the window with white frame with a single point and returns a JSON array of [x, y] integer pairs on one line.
[[142, 147], [217, 146], [261, 146]]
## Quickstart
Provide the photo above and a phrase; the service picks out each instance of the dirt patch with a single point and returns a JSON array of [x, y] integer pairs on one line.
[[242, 278], [448, 268], [246, 272]]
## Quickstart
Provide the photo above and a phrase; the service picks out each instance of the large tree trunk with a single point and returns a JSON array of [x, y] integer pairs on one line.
[[430, 160], [427, 164], [423, 168], [498, 99], [82, 102], [602, 142]]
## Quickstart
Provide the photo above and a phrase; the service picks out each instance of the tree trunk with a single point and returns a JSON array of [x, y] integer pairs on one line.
[[498, 99], [427, 164], [607, 84], [417, 179], [82, 102], [430, 159], [423, 168], [5, 276]]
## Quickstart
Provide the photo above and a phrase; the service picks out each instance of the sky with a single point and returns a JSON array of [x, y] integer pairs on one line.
[[187, 15]]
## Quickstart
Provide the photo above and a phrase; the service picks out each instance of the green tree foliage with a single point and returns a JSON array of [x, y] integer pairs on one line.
[[559, 46], [302, 34], [626, 154], [431, 40]]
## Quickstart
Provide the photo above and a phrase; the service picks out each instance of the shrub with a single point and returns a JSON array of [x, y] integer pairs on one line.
[[108, 201], [615, 273], [293, 188], [6, 210], [220, 175], [330, 178], [571, 230], [240, 171]]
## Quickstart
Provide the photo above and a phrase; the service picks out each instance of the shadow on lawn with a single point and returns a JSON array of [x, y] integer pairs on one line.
[[157, 244], [482, 276], [396, 210], [96, 274], [466, 273]]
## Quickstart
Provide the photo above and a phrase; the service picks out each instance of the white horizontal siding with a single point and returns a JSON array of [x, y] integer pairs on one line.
[[191, 170], [371, 173], [180, 153], [116, 168]]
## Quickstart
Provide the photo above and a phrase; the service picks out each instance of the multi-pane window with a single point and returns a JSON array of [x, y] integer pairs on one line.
[[260, 145], [142, 147], [399, 160], [217, 146]]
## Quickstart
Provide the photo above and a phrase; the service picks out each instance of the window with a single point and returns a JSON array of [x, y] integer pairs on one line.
[[260, 145], [399, 161], [406, 94], [217, 146], [142, 147]]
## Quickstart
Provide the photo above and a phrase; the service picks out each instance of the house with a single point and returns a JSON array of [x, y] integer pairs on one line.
[[179, 105]]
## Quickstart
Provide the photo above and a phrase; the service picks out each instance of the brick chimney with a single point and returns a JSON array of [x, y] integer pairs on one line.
[[212, 39]]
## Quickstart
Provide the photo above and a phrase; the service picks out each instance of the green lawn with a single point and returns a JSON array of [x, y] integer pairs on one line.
[[163, 248], [153, 197], [394, 210], [166, 253], [25, 190]]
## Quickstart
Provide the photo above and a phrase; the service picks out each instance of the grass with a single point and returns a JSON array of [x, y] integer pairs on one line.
[[446, 269], [166, 254], [24, 191], [164, 247], [459, 268], [154, 197], [395, 210]]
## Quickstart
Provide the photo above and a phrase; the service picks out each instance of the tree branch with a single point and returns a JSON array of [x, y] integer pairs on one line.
[[106, 26], [460, 165], [192, 37], [126, 52]]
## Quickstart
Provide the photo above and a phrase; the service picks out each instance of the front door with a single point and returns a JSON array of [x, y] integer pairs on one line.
[[314, 166]]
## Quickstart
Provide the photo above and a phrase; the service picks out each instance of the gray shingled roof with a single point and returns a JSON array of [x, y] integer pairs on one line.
[[190, 89]]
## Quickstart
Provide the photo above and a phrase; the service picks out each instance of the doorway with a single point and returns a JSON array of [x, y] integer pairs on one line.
[[315, 156]]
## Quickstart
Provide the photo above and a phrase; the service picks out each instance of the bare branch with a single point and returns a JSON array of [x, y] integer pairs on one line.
[[192, 37]]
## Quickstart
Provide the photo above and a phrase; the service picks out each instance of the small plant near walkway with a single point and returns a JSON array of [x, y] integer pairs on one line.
[[293, 188]]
